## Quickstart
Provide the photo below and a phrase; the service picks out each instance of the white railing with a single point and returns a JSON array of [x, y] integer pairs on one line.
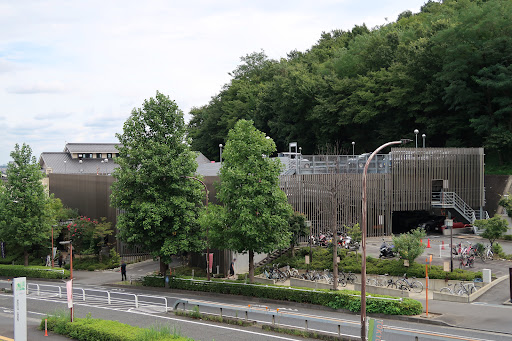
[[452, 200], [102, 296]]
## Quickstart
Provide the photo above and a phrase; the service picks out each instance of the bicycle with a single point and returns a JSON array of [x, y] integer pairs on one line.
[[406, 284], [349, 277]]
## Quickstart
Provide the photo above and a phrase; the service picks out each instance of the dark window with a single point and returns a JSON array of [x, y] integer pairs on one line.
[[88, 156], [80, 156], [98, 155], [109, 155]]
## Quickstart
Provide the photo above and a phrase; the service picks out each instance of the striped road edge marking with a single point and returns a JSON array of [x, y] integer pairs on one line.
[[4, 338]]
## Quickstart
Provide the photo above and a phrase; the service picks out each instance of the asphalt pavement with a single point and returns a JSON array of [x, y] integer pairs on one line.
[[487, 313]]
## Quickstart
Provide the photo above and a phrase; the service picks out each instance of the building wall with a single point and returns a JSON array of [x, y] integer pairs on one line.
[[407, 187], [89, 193]]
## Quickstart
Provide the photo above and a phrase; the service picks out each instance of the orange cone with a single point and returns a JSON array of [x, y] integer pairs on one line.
[[442, 247], [428, 243], [421, 241], [45, 327]]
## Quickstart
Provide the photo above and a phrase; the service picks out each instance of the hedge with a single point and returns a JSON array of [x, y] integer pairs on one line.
[[89, 329], [322, 259], [31, 272], [345, 299]]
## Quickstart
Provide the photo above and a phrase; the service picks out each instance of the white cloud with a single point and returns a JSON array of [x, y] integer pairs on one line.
[[37, 88], [73, 71]]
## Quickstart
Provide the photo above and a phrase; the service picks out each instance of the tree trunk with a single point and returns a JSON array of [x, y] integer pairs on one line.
[[251, 266], [163, 268], [293, 250], [25, 253], [335, 241]]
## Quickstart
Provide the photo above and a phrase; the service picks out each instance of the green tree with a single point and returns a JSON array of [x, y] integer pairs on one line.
[[298, 229], [409, 244], [506, 202], [27, 214], [159, 206], [255, 212], [494, 228]]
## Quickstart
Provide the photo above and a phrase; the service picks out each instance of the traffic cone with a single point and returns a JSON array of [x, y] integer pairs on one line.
[[428, 243], [442, 246], [45, 327], [421, 241]]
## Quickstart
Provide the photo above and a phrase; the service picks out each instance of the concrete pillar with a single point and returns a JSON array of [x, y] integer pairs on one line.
[[486, 274]]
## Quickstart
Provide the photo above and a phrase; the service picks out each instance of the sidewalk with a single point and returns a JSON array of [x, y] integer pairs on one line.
[[33, 333]]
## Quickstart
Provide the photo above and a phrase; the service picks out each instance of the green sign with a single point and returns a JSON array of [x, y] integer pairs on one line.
[[375, 330]]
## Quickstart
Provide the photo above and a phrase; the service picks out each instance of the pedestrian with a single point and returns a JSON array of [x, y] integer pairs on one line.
[[60, 261], [232, 268], [123, 271]]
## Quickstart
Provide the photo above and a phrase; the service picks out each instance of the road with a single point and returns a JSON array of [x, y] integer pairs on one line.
[[149, 309]]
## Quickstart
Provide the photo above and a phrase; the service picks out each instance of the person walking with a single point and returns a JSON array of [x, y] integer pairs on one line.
[[232, 269], [123, 271], [60, 261]]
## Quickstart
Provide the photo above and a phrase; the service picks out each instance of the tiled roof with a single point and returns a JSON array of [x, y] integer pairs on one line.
[[91, 148], [208, 169], [63, 163]]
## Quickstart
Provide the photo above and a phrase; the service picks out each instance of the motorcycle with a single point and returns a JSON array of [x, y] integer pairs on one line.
[[386, 251]]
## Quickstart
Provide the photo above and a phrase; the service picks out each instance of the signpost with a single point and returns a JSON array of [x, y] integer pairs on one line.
[[19, 286], [375, 329]]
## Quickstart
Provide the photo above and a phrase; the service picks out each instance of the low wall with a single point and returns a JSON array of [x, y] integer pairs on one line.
[[466, 298], [382, 290], [304, 283]]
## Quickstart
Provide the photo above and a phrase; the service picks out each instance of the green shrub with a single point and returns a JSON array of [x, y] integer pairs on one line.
[[507, 237], [394, 267], [337, 300], [89, 329], [31, 272]]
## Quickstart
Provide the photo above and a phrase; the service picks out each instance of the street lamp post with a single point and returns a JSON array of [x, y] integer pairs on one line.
[[424, 136], [353, 148], [416, 132], [220, 148], [70, 271], [207, 227], [363, 240]]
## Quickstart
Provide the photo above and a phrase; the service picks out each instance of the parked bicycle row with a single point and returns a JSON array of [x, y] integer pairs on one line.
[[403, 283], [275, 273]]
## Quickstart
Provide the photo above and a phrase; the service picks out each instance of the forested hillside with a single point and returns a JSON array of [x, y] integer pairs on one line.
[[445, 71]]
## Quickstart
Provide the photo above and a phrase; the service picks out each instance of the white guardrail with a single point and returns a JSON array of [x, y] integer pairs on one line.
[[105, 296]]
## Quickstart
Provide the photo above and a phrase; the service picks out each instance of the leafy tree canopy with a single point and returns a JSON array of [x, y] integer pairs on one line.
[[445, 71], [27, 212], [255, 212], [158, 205]]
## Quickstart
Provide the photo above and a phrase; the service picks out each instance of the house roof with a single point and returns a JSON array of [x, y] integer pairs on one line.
[[91, 148], [208, 169], [62, 163]]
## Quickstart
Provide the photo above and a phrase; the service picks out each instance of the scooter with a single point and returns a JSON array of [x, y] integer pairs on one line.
[[386, 251]]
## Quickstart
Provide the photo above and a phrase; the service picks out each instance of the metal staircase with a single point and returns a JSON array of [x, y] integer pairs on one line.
[[453, 201]]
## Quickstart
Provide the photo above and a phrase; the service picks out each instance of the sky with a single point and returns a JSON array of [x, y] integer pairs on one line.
[[72, 71]]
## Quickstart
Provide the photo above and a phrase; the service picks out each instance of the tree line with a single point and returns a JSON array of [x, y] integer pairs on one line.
[[445, 71]]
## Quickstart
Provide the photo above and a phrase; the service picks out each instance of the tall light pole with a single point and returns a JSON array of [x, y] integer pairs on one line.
[[353, 148], [207, 227], [416, 132], [424, 136], [363, 240], [70, 270], [220, 148]]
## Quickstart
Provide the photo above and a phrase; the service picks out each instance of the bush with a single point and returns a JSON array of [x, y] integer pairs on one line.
[[394, 267], [31, 272], [338, 300], [98, 330]]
